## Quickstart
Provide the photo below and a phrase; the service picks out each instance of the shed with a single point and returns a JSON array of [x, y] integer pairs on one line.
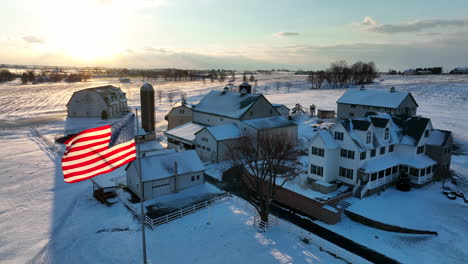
[[165, 173]]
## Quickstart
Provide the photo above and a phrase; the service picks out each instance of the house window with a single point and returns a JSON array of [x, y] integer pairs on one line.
[[386, 134], [414, 172], [353, 106], [403, 168], [382, 150], [388, 172], [374, 176], [208, 149], [369, 137], [376, 108], [203, 147], [346, 173], [372, 153], [198, 177], [351, 114], [221, 119], [395, 169], [193, 178], [365, 107], [428, 170], [339, 136], [347, 153], [391, 148], [423, 172], [381, 174], [363, 155], [204, 139], [317, 170], [420, 150], [181, 111], [318, 151], [426, 133]]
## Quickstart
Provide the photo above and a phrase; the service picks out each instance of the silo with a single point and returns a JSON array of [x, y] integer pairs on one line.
[[147, 107]]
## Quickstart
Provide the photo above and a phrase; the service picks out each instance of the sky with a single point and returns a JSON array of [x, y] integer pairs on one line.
[[241, 34]]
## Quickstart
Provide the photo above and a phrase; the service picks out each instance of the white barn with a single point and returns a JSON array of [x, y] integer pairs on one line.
[[356, 103], [98, 101], [165, 173]]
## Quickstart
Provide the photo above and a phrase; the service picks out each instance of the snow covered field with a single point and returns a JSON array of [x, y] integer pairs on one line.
[[42, 217]]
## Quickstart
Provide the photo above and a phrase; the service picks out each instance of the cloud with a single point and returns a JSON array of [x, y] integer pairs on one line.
[[415, 26], [33, 39], [159, 50], [285, 34], [368, 21], [133, 4]]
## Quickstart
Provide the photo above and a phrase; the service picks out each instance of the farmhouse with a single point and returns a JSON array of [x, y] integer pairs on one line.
[[180, 114], [223, 107], [369, 153], [165, 173], [355, 103], [104, 101]]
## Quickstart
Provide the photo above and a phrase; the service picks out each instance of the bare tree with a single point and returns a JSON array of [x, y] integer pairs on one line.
[[316, 79], [268, 162], [277, 85], [183, 97], [266, 89]]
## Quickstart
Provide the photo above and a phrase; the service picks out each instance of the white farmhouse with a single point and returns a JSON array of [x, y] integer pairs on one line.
[[181, 113], [104, 101], [355, 103], [213, 143], [282, 110], [369, 153], [165, 173]]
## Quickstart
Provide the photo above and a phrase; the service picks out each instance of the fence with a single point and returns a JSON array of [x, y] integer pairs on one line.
[[152, 223]]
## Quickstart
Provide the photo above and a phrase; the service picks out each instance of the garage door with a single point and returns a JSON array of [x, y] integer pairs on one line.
[[161, 187]]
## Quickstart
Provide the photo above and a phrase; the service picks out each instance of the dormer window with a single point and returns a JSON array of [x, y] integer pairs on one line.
[[386, 134], [369, 137]]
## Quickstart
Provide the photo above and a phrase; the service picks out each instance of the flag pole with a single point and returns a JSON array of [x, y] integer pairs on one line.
[[142, 213]]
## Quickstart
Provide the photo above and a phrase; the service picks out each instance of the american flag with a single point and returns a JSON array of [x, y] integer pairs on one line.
[[98, 150]]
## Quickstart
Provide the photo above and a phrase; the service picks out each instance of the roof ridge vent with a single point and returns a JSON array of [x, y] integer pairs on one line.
[[392, 90], [243, 92]]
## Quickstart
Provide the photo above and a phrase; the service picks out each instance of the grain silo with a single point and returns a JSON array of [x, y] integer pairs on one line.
[[147, 107]]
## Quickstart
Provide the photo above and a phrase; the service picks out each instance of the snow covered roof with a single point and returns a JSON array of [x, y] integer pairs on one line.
[[233, 105], [186, 131], [327, 139], [269, 122], [388, 161], [223, 132], [105, 91], [162, 166], [379, 98], [438, 137], [279, 105]]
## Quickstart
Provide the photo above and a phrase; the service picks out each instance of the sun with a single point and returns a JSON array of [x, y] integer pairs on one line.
[[85, 30]]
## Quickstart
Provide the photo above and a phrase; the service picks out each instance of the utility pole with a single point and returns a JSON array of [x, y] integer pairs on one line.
[[142, 211]]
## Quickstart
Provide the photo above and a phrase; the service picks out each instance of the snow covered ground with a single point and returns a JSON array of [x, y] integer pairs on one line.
[[421, 209], [42, 217]]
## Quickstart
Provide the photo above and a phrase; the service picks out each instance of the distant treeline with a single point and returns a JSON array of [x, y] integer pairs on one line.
[[6, 76], [418, 71], [339, 74]]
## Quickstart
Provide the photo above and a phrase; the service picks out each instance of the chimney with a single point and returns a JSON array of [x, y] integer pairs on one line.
[[147, 107], [392, 90], [225, 90]]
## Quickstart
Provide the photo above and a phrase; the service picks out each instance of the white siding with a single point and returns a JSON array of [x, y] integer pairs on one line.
[[87, 104], [210, 119], [207, 150], [261, 108]]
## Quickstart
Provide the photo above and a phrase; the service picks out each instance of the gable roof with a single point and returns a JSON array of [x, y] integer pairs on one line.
[[378, 98], [362, 125], [379, 122], [327, 138], [228, 104], [269, 122], [162, 166], [186, 131], [438, 137], [224, 132], [415, 126], [279, 105]]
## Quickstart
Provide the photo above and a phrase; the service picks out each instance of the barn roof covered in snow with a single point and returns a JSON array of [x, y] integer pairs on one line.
[[378, 98], [162, 166], [105, 91], [186, 131], [269, 122], [224, 132], [229, 104]]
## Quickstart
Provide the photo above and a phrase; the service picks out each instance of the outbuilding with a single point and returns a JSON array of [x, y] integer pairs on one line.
[[104, 101], [165, 173]]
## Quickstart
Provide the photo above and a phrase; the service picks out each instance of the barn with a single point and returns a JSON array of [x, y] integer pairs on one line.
[[104, 101], [165, 173]]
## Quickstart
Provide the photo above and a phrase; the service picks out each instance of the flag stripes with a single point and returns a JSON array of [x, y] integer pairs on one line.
[[88, 154]]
